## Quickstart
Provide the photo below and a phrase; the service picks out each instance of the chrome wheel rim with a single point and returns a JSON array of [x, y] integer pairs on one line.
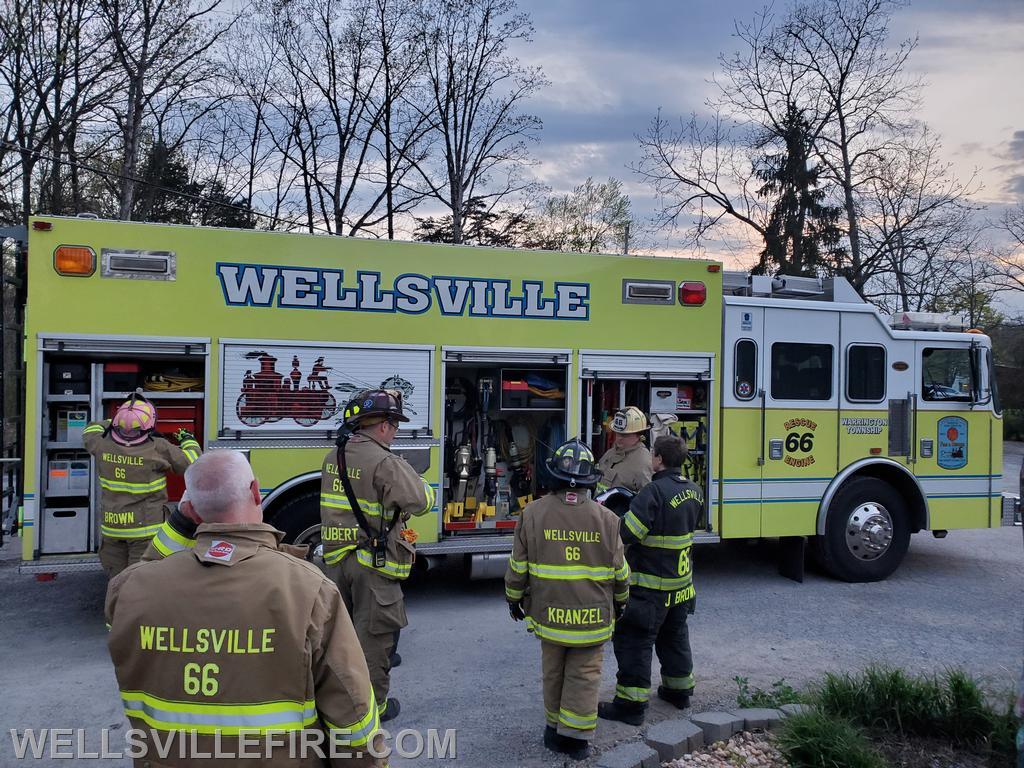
[[869, 531], [311, 538]]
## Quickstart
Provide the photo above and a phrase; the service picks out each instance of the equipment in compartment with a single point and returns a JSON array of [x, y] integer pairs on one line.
[[69, 378], [70, 424], [497, 422]]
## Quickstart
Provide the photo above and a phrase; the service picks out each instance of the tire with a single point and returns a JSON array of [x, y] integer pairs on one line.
[[297, 515], [867, 531]]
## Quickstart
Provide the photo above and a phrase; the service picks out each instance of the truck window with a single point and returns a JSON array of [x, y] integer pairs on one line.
[[946, 374], [744, 384], [865, 373], [997, 406], [801, 371]]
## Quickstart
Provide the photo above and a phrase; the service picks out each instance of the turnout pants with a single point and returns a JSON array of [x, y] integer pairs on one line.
[[572, 678], [377, 607], [118, 554], [652, 621]]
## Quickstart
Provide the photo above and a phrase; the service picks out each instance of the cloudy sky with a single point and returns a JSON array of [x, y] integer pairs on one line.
[[613, 63]]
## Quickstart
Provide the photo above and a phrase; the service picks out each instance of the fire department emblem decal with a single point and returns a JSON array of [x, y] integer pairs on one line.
[[221, 550]]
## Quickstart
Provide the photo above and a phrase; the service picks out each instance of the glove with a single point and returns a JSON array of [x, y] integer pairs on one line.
[[182, 435], [409, 535], [515, 610], [620, 608]]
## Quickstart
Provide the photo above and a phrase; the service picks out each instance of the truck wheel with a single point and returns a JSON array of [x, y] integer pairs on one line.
[[297, 515], [866, 531]]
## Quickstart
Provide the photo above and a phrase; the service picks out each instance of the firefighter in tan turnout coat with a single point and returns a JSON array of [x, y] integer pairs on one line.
[[132, 464], [366, 494], [234, 636], [569, 579], [628, 463]]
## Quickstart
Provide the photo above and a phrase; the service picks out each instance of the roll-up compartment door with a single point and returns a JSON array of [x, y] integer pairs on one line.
[[642, 365], [302, 387], [498, 356]]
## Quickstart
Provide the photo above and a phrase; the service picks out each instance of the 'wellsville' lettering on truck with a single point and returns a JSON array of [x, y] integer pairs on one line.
[[261, 285]]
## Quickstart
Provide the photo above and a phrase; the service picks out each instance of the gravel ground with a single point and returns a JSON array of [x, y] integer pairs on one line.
[[953, 602]]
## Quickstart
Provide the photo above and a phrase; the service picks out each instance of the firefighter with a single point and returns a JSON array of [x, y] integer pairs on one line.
[[658, 533], [628, 463], [132, 463], [568, 579], [366, 494], [237, 624]]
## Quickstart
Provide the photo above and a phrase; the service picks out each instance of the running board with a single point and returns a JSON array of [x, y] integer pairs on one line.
[[706, 537], [61, 564]]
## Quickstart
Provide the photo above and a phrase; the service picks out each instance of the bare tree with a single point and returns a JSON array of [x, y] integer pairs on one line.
[[594, 217], [476, 89], [54, 75], [1008, 257], [829, 61], [703, 175], [841, 49], [162, 48], [917, 223]]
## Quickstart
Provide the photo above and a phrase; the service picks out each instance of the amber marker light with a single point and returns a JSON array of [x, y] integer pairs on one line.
[[74, 260]]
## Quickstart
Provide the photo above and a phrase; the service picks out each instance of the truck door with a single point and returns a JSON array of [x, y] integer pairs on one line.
[[742, 445], [952, 440], [800, 368]]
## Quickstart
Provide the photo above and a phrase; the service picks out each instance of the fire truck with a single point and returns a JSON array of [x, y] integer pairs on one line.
[[810, 417]]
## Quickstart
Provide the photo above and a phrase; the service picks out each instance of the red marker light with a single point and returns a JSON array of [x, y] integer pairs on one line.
[[42, 226], [692, 294]]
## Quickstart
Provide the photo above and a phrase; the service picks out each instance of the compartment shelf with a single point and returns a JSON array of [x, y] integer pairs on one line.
[[157, 395], [67, 398], [65, 495], [54, 445]]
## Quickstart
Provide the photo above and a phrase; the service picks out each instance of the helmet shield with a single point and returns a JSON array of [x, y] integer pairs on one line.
[[373, 406], [133, 422], [573, 463], [629, 421]]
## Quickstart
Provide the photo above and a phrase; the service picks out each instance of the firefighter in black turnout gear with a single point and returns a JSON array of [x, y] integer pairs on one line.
[[658, 534]]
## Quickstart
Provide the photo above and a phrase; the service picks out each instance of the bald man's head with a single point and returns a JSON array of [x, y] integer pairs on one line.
[[222, 488]]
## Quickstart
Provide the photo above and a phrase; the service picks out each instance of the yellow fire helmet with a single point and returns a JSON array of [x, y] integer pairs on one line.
[[628, 421]]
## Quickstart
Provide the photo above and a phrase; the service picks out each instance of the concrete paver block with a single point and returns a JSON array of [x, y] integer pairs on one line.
[[717, 726], [636, 754], [674, 738], [794, 709], [759, 717]]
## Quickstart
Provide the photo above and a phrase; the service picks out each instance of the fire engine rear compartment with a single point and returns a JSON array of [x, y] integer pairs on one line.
[[82, 385], [505, 412], [501, 420]]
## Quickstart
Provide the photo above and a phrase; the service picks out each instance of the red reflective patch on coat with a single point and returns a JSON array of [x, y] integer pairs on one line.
[[221, 550]]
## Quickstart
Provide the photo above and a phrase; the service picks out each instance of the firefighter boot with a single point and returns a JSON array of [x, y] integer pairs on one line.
[[624, 713], [677, 698], [391, 710], [551, 738], [575, 749]]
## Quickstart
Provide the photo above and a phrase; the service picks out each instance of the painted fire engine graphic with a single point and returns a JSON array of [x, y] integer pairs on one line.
[[269, 396]]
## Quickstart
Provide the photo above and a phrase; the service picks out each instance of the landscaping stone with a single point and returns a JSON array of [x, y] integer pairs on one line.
[[718, 726], [794, 709], [636, 754], [674, 738], [759, 717]]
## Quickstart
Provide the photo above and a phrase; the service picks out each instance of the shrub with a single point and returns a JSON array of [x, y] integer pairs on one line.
[[817, 739], [951, 707]]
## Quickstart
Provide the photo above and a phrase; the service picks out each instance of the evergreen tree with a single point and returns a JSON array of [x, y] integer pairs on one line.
[[803, 237]]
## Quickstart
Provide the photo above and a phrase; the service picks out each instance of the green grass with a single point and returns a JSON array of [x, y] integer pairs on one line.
[[816, 739], [780, 693], [951, 706]]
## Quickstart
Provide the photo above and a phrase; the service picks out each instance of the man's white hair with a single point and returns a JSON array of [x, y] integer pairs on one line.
[[218, 482]]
